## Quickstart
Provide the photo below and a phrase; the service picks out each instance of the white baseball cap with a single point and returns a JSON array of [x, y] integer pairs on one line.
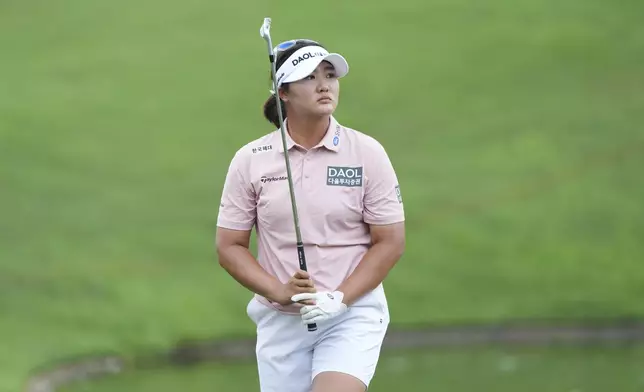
[[305, 60]]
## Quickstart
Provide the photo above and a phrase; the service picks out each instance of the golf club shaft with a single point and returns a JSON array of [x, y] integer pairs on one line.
[[296, 220]]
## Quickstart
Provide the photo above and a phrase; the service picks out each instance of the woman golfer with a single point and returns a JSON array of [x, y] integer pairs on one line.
[[352, 222]]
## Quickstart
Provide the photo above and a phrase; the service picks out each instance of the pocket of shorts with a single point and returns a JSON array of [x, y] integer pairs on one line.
[[256, 310], [252, 310], [375, 306]]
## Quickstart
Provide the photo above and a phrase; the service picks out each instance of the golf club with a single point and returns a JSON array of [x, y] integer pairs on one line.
[[265, 33]]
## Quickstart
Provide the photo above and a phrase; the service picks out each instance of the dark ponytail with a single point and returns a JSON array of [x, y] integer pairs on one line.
[[270, 110]]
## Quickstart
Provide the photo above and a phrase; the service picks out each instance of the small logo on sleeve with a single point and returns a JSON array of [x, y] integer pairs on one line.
[[398, 195], [344, 176]]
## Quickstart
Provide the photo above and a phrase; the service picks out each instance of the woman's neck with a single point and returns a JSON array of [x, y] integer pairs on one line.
[[308, 131]]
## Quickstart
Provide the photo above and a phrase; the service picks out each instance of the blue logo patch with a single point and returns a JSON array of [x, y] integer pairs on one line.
[[336, 138]]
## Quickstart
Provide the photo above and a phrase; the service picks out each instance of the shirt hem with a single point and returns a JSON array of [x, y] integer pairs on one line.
[[224, 224], [385, 221], [270, 305]]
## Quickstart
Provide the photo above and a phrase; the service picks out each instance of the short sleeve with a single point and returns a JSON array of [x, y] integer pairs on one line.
[[238, 208], [382, 199]]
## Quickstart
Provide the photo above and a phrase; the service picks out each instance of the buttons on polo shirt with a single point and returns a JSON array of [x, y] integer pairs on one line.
[[305, 169]]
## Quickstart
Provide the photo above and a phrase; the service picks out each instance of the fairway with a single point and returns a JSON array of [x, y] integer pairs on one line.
[[516, 130], [499, 370]]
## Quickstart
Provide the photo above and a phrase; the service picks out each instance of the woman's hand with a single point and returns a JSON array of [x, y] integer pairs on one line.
[[299, 283]]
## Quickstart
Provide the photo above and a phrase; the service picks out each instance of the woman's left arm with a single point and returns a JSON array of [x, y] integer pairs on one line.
[[383, 211], [388, 245], [384, 214]]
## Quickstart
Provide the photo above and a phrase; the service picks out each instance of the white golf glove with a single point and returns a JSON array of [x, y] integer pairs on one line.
[[327, 306]]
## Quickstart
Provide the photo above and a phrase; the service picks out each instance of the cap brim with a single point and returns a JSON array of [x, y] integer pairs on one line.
[[339, 63]]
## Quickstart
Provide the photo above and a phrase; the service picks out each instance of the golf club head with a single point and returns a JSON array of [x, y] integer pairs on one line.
[[265, 32]]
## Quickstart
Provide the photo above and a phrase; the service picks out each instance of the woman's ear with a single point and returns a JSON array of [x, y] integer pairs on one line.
[[283, 95]]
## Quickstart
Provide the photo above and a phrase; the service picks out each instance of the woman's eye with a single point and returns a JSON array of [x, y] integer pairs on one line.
[[310, 77], [331, 75]]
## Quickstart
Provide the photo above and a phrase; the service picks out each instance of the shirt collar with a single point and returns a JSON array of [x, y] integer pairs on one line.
[[330, 141]]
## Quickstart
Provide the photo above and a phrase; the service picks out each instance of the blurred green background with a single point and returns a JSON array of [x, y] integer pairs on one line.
[[516, 129]]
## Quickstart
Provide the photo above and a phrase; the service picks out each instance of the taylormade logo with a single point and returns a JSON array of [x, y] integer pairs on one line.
[[307, 56], [265, 179]]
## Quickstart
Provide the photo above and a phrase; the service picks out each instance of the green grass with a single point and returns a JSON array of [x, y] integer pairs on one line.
[[492, 369], [515, 129]]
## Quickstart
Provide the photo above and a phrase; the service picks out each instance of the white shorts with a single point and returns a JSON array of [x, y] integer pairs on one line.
[[289, 356]]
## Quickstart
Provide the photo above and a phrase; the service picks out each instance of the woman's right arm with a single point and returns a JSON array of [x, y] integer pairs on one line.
[[237, 216], [236, 259]]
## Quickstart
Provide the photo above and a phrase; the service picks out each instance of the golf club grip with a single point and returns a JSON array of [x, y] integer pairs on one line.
[[302, 258]]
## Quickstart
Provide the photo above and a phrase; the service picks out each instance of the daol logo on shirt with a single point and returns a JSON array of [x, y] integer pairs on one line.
[[344, 176]]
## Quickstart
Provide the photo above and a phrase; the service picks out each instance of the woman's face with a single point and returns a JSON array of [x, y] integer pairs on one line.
[[315, 95]]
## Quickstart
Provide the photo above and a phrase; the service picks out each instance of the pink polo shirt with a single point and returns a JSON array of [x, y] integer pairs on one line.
[[342, 186]]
